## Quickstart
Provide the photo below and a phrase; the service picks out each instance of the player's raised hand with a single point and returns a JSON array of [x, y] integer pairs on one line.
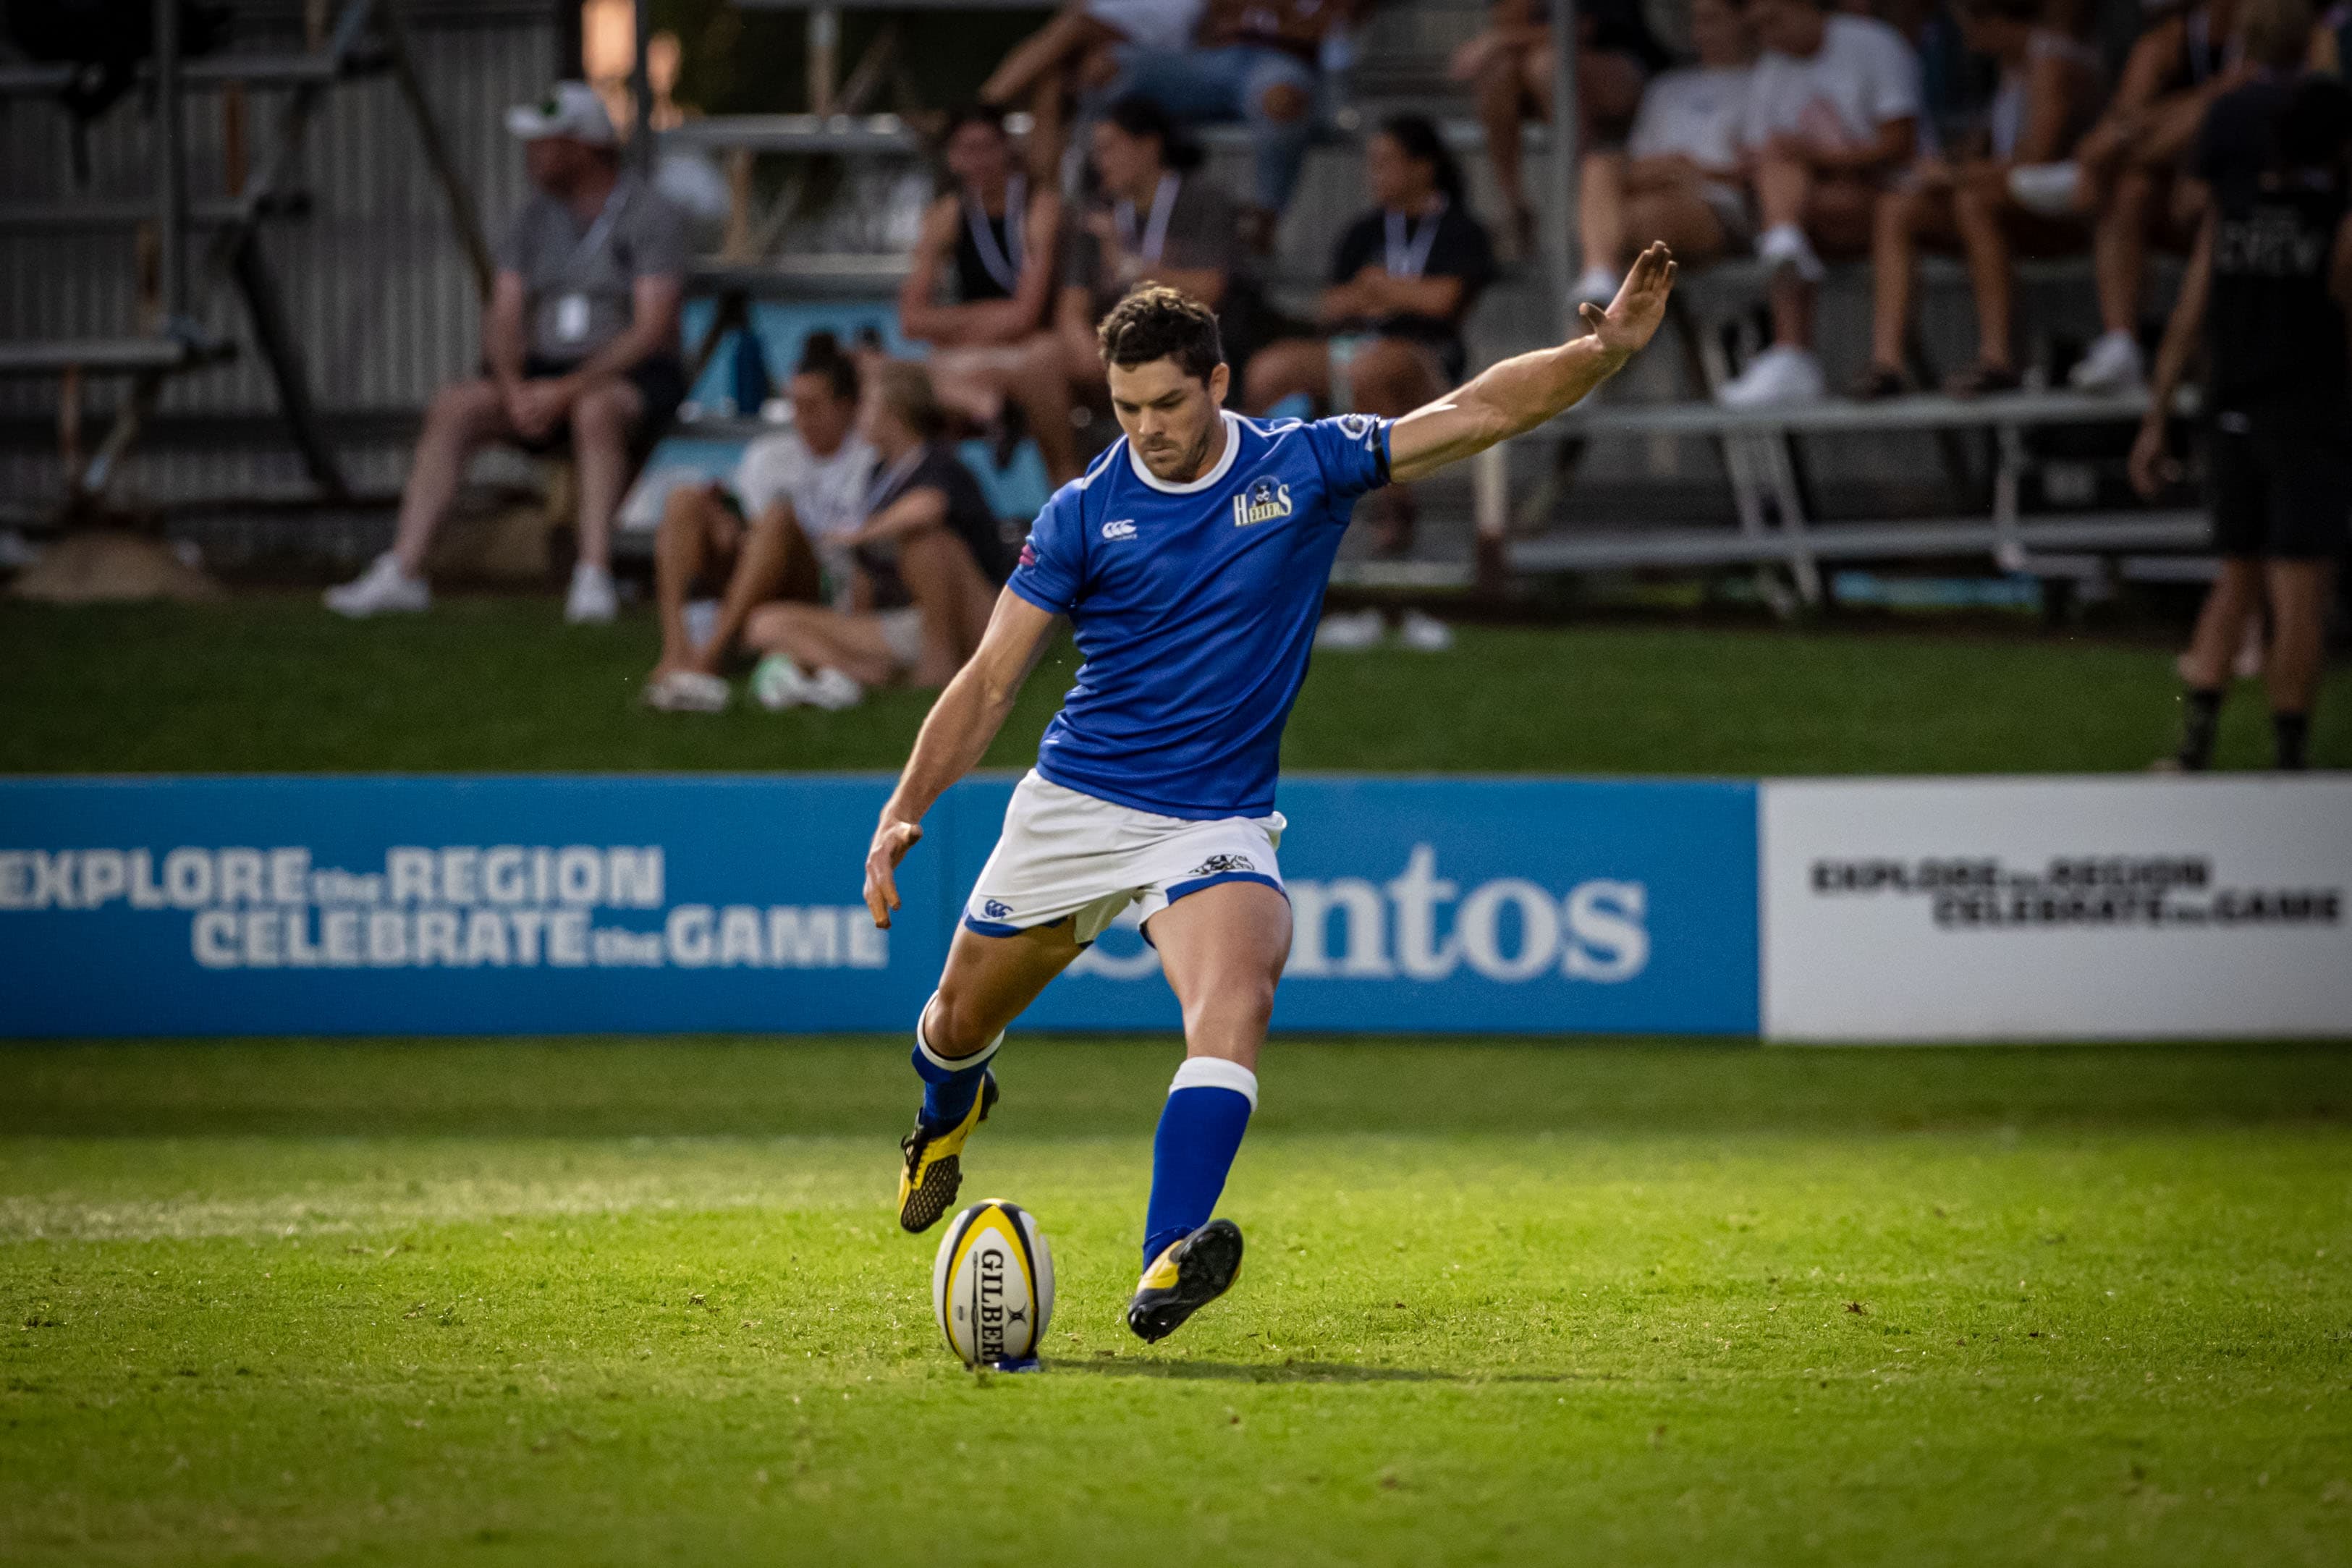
[[891, 842], [1633, 316]]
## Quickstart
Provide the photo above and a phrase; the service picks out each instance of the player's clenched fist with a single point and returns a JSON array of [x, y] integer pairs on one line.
[[891, 842]]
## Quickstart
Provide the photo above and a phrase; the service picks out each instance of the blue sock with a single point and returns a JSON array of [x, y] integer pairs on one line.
[[1200, 1130], [949, 1084]]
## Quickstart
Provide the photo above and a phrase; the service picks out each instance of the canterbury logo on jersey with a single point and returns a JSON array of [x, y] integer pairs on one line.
[[1261, 502], [1119, 529]]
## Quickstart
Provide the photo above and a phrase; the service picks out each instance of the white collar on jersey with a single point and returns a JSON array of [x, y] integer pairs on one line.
[[1224, 465]]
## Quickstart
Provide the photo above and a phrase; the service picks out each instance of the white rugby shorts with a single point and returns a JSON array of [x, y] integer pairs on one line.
[[1063, 854]]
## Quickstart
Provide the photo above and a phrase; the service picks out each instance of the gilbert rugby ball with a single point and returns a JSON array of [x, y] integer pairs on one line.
[[993, 1286]]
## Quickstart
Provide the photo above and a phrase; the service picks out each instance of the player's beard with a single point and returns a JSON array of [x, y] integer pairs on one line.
[[1188, 468]]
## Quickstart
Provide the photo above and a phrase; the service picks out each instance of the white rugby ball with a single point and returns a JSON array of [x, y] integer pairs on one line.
[[993, 1286]]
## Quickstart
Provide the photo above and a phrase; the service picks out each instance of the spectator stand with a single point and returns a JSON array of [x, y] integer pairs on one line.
[[365, 38]]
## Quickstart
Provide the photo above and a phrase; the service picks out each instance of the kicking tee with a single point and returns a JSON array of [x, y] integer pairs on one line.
[[1195, 607]]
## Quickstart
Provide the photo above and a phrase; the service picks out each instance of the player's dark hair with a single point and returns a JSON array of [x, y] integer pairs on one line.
[[1157, 322], [986, 114], [1418, 135], [1140, 116], [821, 355]]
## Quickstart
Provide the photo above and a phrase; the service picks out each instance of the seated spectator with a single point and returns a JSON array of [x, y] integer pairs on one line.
[[767, 538], [2125, 171], [991, 242], [1256, 61], [1677, 178], [927, 560], [1832, 117], [580, 347], [1075, 53], [1154, 220], [1510, 66], [2048, 92], [1403, 276]]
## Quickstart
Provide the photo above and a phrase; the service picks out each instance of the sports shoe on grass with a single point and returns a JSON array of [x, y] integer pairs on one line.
[[832, 691], [1185, 1278], [934, 1163], [382, 589], [593, 600], [686, 691], [777, 684]]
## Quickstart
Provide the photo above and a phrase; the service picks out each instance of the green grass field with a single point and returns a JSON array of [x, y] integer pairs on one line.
[[610, 1302], [277, 683]]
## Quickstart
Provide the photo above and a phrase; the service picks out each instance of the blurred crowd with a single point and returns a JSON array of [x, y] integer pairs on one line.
[[854, 549]]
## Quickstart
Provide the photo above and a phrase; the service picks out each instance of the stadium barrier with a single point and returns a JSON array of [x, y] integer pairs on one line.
[[1870, 909]]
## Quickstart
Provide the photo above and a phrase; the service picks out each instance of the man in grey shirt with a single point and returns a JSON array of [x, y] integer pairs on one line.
[[580, 344]]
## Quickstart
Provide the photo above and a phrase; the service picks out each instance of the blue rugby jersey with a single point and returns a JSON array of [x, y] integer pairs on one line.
[[1195, 606]]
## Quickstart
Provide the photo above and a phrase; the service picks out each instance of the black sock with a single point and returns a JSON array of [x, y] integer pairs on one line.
[[2200, 718], [2291, 738]]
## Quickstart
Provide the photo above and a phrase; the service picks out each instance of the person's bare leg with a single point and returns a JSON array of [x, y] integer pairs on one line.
[[816, 638], [460, 418], [1501, 100], [1784, 189], [1978, 207], [2120, 249], [1286, 369], [1602, 211], [988, 981], [2235, 598], [1679, 216], [1223, 950], [2298, 598], [1894, 262], [1391, 377], [693, 525], [1041, 385], [1047, 50], [775, 561], [972, 381], [940, 574], [603, 421]]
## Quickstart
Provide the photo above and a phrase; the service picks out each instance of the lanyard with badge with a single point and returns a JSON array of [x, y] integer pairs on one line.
[[1002, 261], [1155, 229], [1407, 253], [572, 313]]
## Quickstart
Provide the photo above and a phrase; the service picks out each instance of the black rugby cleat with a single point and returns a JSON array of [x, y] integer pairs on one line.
[[1188, 1276]]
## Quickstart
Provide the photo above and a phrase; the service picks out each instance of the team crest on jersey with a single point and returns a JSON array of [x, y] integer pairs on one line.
[[1357, 426], [1217, 866], [1263, 501]]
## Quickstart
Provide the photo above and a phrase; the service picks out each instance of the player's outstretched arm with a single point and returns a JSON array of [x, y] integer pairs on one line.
[[1519, 394], [955, 736]]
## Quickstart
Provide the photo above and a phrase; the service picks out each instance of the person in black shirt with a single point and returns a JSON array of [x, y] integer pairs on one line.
[[926, 563], [2266, 289], [1403, 276], [981, 276]]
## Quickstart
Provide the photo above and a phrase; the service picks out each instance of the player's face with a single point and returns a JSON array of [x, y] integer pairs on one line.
[[1169, 417]]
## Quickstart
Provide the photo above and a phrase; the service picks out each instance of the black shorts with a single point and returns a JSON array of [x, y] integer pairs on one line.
[[660, 381], [2282, 483]]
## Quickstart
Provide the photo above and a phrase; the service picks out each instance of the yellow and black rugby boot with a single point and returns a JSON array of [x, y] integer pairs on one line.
[[934, 1169], [1185, 1278]]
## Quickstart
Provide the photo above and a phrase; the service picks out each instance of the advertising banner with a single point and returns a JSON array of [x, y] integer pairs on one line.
[[2057, 908], [525, 906]]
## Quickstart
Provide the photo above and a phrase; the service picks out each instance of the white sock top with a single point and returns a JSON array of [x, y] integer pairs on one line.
[[950, 1064], [1216, 1072]]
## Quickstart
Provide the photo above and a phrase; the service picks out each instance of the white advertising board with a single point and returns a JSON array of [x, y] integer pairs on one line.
[[2057, 908]]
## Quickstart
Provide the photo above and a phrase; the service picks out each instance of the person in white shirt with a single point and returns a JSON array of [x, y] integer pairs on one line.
[[2047, 97], [1833, 116], [1677, 178], [765, 538]]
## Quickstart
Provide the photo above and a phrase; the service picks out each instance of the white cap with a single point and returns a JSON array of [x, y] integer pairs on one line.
[[569, 109]]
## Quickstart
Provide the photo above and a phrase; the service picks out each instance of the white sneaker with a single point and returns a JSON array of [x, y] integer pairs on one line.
[[2114, 364], [688, 691], [777, 684], [2050, 190], [1785, 245], [1597, 287], [1423, 633], [832, 691], [382, 589], [592, 602], [1351, 633], [1779, 375]]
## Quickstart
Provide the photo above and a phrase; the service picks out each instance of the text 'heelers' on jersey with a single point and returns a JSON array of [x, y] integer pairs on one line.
[[1195, 607]]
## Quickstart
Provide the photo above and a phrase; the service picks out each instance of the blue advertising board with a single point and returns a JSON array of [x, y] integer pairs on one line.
[[653, 905]]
